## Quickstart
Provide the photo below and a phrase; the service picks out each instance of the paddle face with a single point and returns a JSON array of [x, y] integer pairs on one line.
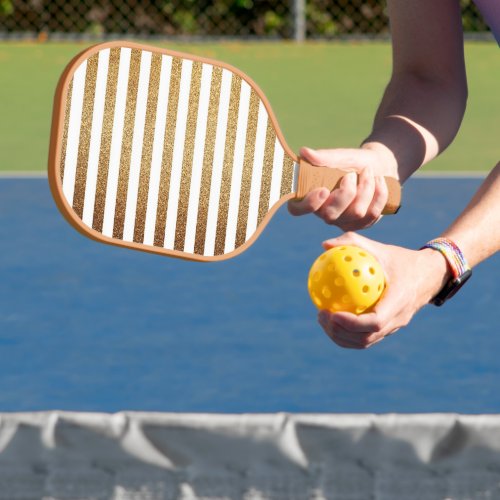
[[166, 152]]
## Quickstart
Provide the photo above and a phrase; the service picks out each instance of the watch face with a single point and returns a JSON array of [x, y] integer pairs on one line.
[[451, 288]]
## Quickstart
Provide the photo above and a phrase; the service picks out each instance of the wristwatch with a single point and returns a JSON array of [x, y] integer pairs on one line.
[[459, 267]]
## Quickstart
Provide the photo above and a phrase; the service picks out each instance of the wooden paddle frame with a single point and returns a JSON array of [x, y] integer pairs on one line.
[[309, 177]]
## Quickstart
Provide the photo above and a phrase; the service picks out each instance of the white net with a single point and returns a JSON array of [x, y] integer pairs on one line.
[[153, 456]]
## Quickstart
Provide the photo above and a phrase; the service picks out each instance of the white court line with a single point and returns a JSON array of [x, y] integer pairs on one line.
[[28, 174], [455, 174]]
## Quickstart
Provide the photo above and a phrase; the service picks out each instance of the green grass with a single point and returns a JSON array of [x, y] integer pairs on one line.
[[324, 95]]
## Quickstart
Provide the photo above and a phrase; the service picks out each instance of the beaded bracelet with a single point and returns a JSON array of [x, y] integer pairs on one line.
[[459, 267]]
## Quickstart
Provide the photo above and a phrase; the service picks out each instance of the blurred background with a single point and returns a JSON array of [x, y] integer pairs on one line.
[[283, 19]]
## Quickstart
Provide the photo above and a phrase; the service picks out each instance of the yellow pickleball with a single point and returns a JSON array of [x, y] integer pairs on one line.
[[346, 278]]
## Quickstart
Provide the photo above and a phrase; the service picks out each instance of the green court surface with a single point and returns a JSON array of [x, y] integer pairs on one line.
[[324, 95]]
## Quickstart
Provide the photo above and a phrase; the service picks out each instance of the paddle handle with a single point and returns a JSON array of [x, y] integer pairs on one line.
[[311, 177]]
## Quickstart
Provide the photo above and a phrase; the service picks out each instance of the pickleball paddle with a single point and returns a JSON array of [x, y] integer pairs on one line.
[[171, 153]]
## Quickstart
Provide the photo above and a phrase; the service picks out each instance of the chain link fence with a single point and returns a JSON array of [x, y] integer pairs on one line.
[[285, 19]]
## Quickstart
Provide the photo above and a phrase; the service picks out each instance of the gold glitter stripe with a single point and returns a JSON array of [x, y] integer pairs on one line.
[[126, 150], [208, 156], [227, 167], [147, 148], [267, 172], [287, 176], [64, 142], [168, 149], [107, 131], [246, 180], [187, 162], [85, 132]]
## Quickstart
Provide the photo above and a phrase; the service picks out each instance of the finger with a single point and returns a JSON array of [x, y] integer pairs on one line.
[[358, 209], [380, 197], [310, 203], [338, 157], [344, 344], [348, 238], [356, 216], [341, 340], [339, 199], [362, 324], [338, 334], [362, 340]]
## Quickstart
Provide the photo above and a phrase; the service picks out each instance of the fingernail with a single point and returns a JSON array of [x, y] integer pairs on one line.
[[306, 150], [324, 194]]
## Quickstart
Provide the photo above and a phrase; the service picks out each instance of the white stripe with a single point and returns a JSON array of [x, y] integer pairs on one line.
[[258, 162], [178, 153], [199, 150], [159, 137], [239, 154], [137, 143], [277, 174], [220, 142], [95, 137], [116, 142], [75, 119], [295, 177]]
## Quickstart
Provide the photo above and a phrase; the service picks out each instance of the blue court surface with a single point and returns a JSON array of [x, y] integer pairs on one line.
[[90, 327]]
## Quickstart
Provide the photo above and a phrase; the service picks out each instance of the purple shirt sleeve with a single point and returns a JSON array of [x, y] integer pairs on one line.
[[490, 9]]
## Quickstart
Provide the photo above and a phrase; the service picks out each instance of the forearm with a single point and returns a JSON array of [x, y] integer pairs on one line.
[[416, 120], [424, 103], [477, 230]]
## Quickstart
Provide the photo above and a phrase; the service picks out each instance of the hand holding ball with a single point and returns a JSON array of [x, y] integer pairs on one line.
[[346, 278]]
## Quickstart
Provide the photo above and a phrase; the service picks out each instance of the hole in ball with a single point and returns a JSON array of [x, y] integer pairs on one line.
[[356, 273], [366, 289]]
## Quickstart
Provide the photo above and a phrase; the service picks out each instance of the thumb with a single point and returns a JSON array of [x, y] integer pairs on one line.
[[338, 158], [349, 238]]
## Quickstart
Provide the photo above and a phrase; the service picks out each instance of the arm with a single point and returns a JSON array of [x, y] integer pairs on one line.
[[415, 277], [419, 114], [424, 103]]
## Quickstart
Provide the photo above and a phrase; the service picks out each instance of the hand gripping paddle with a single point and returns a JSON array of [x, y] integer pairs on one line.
[[171, 153]]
